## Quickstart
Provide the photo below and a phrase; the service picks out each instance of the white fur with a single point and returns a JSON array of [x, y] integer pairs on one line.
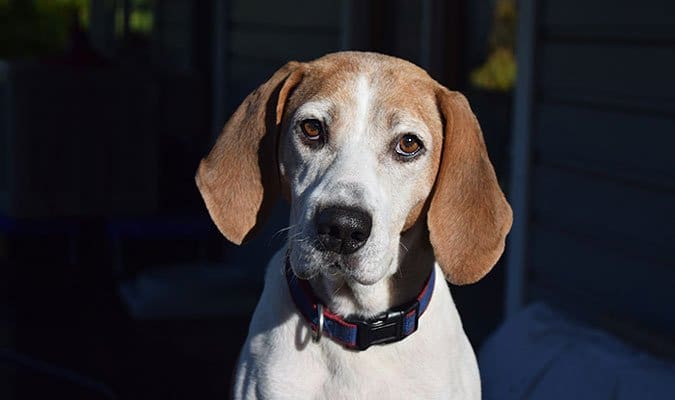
[[356, 167], [279, 360]]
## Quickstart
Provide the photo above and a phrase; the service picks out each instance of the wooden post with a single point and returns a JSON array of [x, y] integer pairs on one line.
[[517, 247], [219, 72]]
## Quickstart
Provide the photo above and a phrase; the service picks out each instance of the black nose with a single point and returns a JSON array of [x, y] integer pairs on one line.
[[343, 230]]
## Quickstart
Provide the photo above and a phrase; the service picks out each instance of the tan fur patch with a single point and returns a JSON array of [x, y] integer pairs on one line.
[[468, 216], [239, 179]]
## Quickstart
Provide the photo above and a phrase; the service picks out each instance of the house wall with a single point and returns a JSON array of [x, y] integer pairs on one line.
[[264, 35], [601, 200]]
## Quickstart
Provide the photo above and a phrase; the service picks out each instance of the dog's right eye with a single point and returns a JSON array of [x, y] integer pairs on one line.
[[312, 129], [409, 146]]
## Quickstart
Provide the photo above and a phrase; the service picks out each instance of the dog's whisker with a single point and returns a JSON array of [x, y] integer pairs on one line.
[[300, 241], [295, 235], [282, 230], [335, 292], [404, 246]]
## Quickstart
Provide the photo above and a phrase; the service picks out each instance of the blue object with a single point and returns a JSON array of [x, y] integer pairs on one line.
[[539, 353]]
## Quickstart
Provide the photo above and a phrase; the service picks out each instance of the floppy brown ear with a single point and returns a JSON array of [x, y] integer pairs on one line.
[[468, 216], [239, 179]]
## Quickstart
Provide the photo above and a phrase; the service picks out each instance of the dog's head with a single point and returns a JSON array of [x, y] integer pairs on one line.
[[363, 145]]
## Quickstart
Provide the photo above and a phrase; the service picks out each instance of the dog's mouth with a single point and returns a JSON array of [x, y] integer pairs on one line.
[[309, 263], [345, 266], [335, 264]]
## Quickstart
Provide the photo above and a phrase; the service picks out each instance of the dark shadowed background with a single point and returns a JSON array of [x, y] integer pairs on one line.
[[115, 284]]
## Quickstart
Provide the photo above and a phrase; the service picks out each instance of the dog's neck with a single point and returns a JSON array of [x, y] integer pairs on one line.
[[415, 261]]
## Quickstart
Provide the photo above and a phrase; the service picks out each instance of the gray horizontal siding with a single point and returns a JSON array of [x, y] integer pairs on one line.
[[617, 14], [616, 144], [265, 35], [601, 278], [630, 215], [293, 14], [286, 46], [602, 183], [635, 74]]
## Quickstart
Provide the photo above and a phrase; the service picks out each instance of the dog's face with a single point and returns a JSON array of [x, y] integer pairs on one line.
[[361, 144], [358, 161]]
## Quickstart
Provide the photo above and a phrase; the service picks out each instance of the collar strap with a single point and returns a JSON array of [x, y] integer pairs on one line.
[[391, 326]]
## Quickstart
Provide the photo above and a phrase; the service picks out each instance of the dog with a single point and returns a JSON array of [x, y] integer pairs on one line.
[[390, 190]]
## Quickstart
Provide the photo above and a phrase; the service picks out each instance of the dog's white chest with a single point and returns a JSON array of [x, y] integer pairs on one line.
[[280, 361]]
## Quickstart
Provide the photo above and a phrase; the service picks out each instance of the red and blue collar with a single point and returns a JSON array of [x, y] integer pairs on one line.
[[391, 326]]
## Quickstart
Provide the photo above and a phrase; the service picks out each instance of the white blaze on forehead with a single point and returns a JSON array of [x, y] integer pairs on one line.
[[357, 153], [363, 93]]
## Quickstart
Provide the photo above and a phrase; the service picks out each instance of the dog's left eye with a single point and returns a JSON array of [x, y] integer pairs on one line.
[[312, 129], [408, 146]]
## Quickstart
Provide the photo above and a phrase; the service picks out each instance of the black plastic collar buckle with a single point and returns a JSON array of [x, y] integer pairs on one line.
[[387, 328]]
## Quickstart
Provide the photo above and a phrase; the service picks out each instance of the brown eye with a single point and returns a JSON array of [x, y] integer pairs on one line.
[[408, 146], [312, 129]]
